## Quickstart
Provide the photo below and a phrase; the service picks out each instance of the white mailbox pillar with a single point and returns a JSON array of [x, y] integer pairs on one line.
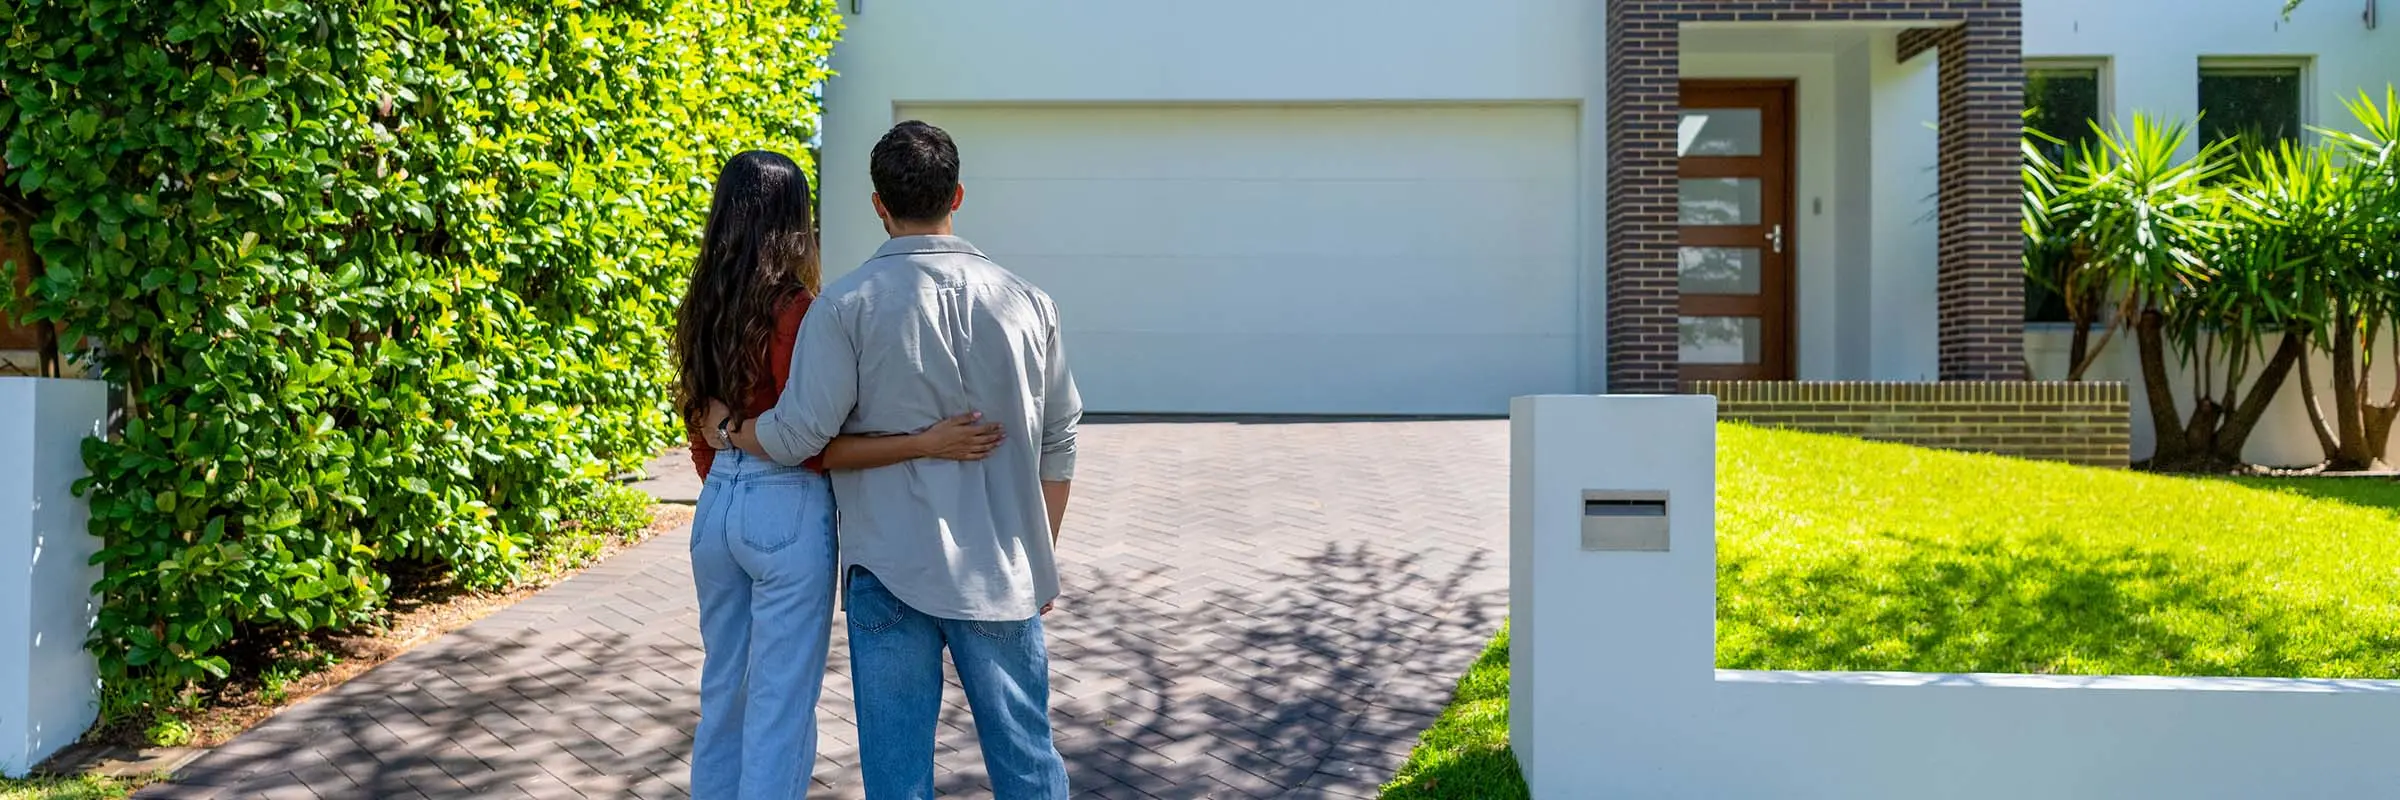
[[1612, 591], [49, 686]]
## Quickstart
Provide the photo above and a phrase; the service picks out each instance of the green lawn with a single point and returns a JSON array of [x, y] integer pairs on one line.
[[1840, 555], [79, 788]]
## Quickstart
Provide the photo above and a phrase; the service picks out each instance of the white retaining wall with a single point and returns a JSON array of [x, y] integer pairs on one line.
[[49, 688], [1614, 691]]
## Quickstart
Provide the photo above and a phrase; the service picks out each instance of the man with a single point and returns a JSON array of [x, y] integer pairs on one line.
[[939, 554]]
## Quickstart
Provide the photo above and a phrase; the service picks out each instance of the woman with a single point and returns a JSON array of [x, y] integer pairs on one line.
[[762, 542]]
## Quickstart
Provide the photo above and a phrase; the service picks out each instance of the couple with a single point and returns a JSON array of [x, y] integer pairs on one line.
[[926, 396]]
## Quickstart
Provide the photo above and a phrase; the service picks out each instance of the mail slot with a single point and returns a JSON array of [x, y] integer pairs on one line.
[[1621, 521]]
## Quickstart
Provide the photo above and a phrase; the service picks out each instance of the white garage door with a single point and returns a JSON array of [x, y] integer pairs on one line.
[[1310, 259]]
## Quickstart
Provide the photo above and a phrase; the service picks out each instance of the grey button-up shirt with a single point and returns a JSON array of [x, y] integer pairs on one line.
[[929, 329]]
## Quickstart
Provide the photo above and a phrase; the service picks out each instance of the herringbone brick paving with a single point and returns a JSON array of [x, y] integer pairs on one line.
[[1252, 610]]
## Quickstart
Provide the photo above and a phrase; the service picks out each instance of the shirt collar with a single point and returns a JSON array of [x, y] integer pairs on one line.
[[924, 245]]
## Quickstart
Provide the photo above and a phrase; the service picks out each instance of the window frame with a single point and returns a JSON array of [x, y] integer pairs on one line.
[[2102, 73], [2304, 130], [2101, 69]]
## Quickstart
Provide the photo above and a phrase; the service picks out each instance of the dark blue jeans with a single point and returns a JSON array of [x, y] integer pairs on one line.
[[896, 677]]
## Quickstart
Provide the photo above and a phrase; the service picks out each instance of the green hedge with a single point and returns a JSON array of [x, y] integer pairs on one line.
[[385, 281]]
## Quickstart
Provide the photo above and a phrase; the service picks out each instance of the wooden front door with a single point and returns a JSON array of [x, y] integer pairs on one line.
[[1734, 206]]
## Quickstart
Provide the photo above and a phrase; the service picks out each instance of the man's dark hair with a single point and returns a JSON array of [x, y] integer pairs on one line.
[[915, 169]]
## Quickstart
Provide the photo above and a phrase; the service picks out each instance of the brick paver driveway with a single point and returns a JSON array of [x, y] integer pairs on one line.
[[1253, 610]]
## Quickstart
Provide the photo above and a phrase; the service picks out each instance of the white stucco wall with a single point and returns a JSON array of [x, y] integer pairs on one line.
[[49, 686], [1614, 693], [1609, 660], [2153, 48], [1907, 101]]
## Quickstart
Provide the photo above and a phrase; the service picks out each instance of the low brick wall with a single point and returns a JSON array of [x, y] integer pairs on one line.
[[2080, 423]]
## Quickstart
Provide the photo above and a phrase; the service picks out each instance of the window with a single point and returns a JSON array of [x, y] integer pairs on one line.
[[2258, 101], [2063, 100]]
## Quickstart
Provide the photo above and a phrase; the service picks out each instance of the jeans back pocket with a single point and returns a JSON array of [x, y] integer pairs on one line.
[[872, 608], [771, 516]]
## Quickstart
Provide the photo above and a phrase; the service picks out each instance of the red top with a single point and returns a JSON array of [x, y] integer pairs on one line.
[[779, 365]]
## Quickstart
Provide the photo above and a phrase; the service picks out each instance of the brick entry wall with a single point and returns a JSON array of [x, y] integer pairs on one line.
[[1980, 286], [2081, 423]]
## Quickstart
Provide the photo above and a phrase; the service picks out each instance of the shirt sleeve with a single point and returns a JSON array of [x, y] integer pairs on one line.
[[1062, 410], [818, 394]]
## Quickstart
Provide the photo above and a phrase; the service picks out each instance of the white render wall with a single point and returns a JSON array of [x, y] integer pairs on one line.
[[1907, 101], [2153, 48], [1610, 653], [49, 686], [1614, 693]]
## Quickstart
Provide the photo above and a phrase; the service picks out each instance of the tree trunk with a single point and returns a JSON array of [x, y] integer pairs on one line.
[[2079, 350], [2317, 423], [2380, 418], [2349, 398], [2200, 433], [2150, 337], [2379, 434], [2083, 308], [2084, 364], [2235, 436], [51, 365]]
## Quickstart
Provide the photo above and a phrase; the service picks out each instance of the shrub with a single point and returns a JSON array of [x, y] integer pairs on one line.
[[381, 280], [2237, 258]]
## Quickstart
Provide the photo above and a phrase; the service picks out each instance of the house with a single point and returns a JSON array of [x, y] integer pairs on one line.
[[1409, 207]]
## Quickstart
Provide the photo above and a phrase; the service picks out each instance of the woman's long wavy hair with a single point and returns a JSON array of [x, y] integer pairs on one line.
[[759, 254]]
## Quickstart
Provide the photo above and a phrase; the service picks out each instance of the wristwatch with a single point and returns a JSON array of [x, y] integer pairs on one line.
[[724, 436]]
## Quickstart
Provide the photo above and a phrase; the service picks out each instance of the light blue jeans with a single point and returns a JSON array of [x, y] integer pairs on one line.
[[763, 559], [896, 676]]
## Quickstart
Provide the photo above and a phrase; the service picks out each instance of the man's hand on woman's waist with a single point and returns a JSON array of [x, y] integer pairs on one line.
[[965, 437]]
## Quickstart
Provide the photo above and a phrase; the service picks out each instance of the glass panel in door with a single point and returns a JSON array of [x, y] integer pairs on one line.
[[1721, 201], [1714, 341], [1720, 270]]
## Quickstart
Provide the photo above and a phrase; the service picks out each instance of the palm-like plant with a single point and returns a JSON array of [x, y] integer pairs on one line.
[[2142, 218], [2278, 218], [2215, 256], [2360, 273]]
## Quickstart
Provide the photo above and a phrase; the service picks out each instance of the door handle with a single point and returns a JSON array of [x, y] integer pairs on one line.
[[1775, 235]]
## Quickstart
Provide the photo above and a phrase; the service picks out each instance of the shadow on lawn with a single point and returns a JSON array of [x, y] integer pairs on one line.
[[2045, 606]]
